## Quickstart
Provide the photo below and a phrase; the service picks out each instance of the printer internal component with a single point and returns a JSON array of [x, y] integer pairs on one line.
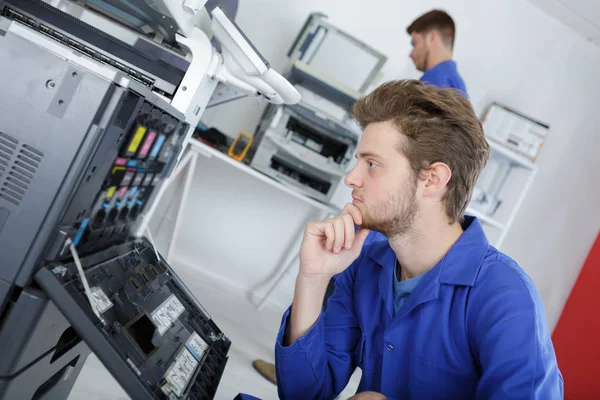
[[124, 177], [139, 64], [148, 316]]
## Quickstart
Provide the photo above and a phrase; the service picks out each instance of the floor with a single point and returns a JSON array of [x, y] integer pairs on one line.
[[252, 333]]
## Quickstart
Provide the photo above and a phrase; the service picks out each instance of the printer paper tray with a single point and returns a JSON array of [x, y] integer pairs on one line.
[[305, 156], [151, 322]]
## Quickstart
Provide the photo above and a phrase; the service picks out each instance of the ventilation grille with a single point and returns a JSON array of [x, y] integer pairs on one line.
[[8, 146], [18, 166]]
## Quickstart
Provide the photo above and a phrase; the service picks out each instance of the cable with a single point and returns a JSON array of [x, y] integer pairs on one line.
[[86, 286]]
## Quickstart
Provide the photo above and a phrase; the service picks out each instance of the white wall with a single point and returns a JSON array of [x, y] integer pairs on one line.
[[507, 51]]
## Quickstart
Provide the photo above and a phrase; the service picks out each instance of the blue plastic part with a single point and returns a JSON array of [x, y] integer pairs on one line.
[[77, 239], [191, 349], [157, 146]]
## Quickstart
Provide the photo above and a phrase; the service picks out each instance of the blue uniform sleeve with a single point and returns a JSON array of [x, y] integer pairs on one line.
[[319, 364], [511, 343]]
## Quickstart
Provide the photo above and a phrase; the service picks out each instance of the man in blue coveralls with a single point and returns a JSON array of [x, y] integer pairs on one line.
[[432, 36], [434, 312], [433, 41]]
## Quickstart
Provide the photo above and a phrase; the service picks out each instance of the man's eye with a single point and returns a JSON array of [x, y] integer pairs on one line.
[[372, 164]]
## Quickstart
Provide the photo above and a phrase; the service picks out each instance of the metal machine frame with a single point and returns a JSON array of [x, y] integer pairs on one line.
[[93, 122]]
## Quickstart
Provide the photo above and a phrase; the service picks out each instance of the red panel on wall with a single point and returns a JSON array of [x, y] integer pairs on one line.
[[577, 334]]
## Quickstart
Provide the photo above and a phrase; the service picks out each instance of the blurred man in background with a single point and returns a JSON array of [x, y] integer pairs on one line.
[[433, 36]]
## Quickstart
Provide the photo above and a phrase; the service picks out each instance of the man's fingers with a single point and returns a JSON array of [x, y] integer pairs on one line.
[[329, 234], [354, 212], [339, 232], [349, 231], [339, 228]]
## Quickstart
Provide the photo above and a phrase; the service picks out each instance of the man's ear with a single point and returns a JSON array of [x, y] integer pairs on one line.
[[432, 36], [436, 178]]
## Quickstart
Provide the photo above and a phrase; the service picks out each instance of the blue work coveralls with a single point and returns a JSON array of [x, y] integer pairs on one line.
[[474, 328]]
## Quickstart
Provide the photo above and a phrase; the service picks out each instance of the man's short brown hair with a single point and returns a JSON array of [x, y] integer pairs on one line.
[[435, 20], [439, 125]]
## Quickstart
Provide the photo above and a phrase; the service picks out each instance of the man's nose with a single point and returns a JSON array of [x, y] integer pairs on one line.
[[353, 179]]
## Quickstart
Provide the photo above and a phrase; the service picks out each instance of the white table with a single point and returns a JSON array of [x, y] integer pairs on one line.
[[188, 162]]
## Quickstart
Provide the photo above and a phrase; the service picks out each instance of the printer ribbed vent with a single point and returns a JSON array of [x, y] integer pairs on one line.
[[18, 166]]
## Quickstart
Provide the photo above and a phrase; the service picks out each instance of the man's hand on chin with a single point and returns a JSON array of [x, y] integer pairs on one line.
[[368, 396]]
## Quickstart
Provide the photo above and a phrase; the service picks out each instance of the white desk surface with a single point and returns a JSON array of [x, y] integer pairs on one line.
[[209, 152]]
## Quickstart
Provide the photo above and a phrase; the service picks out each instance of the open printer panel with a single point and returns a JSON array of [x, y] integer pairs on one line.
[[156, 339]]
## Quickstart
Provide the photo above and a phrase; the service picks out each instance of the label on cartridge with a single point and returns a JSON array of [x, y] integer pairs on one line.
[[128, 177], [122, 192], [167, 313], [197, 346], [111, 192], [133, 191], [101, 300], [148, 179], [138, 178], [157, 146], [165, 153], [147, 144], [180, 373], [136, 140], [120, 161]]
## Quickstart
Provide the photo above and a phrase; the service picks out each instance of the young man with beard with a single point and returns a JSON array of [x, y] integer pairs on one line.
[[432, 37], [434, 312]]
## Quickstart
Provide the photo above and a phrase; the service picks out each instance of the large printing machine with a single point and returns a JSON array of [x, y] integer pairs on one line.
[[309, 146], [99, 98]]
